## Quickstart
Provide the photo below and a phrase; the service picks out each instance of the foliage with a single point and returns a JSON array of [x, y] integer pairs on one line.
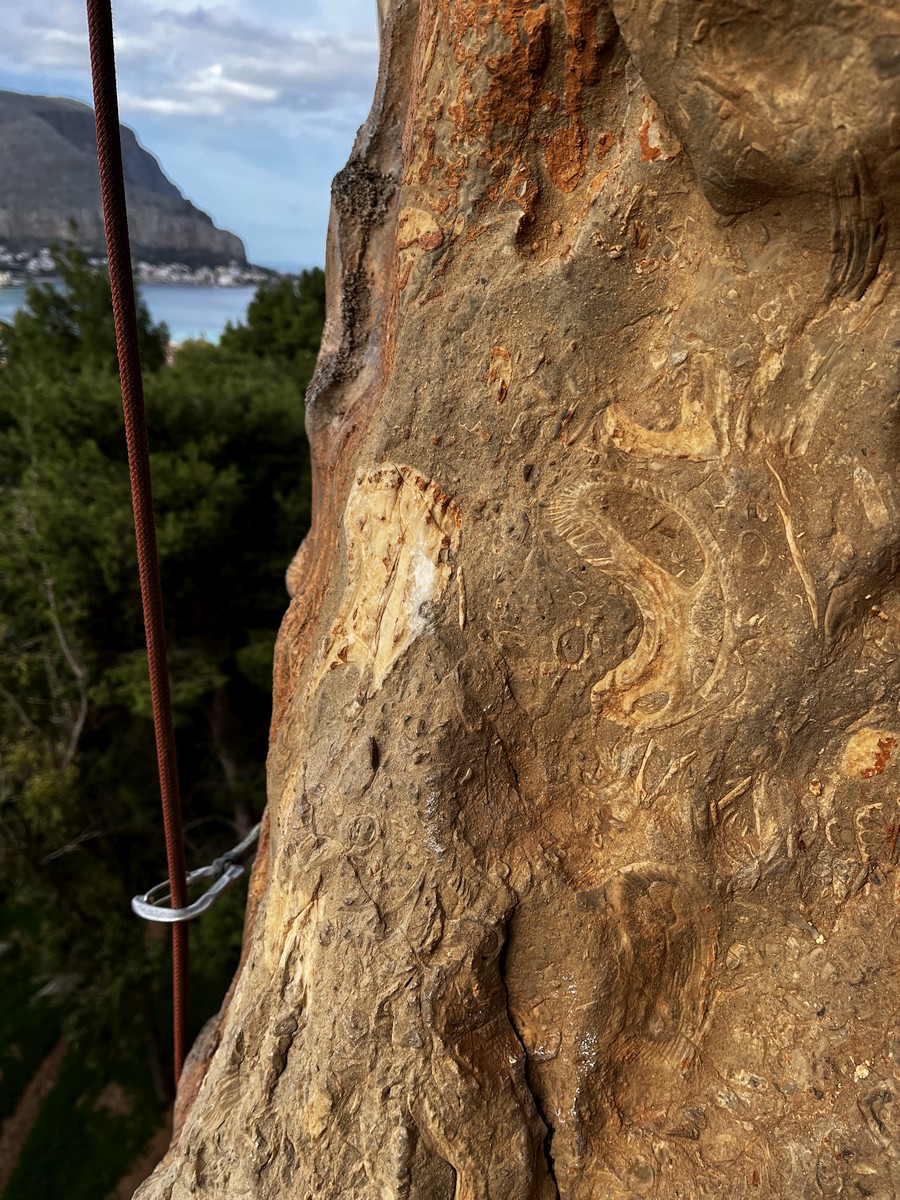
[[79, 825], [90, 1129], [284, 320], [29, 1026], [71, 327]]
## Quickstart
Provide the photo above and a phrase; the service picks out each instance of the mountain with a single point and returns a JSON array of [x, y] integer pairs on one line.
[[48, 178]]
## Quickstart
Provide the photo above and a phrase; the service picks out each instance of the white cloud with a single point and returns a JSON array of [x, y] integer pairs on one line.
[[212, 81], [259, 84], [233, 52], [128, 102]]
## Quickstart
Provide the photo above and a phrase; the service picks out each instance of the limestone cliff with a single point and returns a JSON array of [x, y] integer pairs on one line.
[[48, 178]]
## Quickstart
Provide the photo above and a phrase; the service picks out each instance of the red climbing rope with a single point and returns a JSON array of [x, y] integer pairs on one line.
[[112, 187]]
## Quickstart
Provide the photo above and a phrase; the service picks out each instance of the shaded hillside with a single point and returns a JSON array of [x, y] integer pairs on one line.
[[48, 178]]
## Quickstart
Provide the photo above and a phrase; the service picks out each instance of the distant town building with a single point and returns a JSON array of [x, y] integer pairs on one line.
[[20, 267]]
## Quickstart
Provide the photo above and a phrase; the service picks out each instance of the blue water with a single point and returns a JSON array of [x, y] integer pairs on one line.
[[189, 312]]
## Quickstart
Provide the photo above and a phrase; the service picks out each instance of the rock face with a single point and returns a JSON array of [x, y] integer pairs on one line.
[[581, 872], [48, 178]]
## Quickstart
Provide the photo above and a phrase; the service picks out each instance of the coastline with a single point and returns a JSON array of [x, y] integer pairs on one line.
[[191, 311], [161, 275], [19, 268]]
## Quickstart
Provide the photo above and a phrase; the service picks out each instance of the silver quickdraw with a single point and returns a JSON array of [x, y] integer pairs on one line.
[[225, 870]]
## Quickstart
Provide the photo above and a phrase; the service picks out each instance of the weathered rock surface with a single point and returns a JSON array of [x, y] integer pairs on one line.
[[48, 178], [581, 876]]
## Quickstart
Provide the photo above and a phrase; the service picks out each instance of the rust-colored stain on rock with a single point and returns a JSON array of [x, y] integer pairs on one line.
[[648, 153], [867, 753]]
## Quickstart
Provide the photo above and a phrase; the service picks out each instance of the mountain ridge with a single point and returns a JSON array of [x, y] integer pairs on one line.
[[49, 179]]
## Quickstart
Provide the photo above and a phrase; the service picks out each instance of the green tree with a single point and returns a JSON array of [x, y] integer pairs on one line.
[[79, 824], [284, 321], [69, 327]]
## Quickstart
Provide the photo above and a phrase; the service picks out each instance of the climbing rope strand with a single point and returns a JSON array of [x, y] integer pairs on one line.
[[112, 187]]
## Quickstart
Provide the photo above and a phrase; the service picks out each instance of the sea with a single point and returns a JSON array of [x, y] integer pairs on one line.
[[189, 311]]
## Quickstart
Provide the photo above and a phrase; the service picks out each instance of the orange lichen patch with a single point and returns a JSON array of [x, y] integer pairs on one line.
[[566, 151], [867, 753], [535, 22], [502, 50], [458, 110], [582, 48], [514, 75], [480, 81], [885, 746], [475, 232], [565, 154], [604, 145], [504, 82]]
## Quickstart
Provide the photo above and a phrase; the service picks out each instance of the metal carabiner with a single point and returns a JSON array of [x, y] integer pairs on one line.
[[225, 870]]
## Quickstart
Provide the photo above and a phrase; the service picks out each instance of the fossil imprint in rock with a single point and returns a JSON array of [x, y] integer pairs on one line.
[[663, 555]]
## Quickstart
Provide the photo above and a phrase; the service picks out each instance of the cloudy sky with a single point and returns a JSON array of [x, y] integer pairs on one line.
[[251, 106]]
